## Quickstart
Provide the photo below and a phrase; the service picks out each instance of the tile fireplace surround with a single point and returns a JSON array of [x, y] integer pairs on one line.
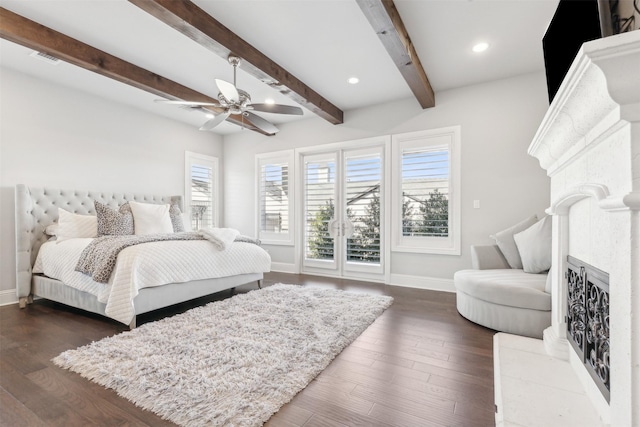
[[589, 144]]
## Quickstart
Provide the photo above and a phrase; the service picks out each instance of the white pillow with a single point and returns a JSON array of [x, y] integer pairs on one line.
[[149, 218], [71, 226], [534, 245], [504, 240]]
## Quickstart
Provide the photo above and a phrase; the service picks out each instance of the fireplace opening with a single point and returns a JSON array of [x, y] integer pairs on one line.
[[588, 319]]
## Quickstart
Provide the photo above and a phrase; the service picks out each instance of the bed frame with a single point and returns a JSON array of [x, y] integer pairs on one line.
[[36, 208]]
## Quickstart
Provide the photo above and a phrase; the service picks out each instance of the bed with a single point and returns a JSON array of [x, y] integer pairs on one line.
[[37, 208]]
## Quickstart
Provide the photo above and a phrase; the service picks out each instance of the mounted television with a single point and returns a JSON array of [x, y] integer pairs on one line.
[[575, 22]]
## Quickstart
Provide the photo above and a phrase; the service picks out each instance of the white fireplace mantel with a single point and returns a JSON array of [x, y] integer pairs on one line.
[[589, 144]]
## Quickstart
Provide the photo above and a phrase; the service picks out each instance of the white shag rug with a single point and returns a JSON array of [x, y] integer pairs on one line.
[[233, 362]]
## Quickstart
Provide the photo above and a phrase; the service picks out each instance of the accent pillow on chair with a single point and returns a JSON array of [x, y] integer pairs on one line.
[[534, 246], [506, 243]]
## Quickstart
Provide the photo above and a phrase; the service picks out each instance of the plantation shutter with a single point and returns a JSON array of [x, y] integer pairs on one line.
[[275, 190], [425, 191], [363, 180], [320, 204], [201, 190]]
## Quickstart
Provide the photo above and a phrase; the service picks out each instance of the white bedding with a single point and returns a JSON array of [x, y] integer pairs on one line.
[[148, 265]]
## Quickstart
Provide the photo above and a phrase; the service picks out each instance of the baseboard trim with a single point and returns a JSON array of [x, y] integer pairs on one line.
[[431, 283], [8, 297], [421, 282], [282, 267]]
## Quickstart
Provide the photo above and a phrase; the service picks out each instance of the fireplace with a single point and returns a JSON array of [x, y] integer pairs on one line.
[[588, 320], [589, 145]]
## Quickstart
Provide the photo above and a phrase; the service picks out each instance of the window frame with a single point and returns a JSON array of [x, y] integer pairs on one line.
[[447, 136], [277, 157], [191, 157]]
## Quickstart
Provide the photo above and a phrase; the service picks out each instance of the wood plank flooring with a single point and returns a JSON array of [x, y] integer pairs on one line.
[[419, 364]]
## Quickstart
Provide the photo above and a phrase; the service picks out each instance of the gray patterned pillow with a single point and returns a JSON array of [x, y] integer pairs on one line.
[[176, 218], [112, 222]]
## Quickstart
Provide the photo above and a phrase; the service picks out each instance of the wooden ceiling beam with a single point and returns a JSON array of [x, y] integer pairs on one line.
[[385, 20], [20, 30], [195, 23]]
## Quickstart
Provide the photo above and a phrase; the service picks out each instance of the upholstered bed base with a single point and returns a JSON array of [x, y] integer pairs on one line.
[[148, 299], [36, 208]]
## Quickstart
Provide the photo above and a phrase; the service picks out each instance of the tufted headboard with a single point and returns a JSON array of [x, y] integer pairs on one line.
[[36, 208]]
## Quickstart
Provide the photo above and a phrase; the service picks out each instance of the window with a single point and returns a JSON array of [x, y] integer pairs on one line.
[[201, 190], [426, 200], [275, 203], [362, 192]]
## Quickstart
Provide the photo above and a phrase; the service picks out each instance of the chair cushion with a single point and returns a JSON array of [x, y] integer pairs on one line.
[[510, 287]]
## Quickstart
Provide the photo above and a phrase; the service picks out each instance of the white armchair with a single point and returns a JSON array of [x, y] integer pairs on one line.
[[502, 298]]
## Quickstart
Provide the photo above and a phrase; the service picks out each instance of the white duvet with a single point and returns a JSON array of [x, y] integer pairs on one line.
[[147, 265]]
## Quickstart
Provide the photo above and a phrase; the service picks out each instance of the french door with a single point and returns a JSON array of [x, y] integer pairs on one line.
[[343, 213]]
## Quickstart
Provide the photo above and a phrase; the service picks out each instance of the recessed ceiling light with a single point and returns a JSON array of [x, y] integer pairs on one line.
[[209, 116], [480, 47], [269, 101], [353, 80]]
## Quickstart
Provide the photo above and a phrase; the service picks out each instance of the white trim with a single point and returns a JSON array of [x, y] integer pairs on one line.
[[344, 145], [284, 267], [422, 282], [8, 296]]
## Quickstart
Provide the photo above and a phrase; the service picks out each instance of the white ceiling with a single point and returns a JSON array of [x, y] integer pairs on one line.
[[321, 42]]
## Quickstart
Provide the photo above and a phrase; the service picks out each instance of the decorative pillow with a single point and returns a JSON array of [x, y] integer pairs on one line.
[[149, 218], [504, 240], [112, 222], [72, 226], [534, 245], [176, 218]]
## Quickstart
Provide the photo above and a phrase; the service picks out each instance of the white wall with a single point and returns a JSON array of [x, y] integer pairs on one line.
[[498, 121], [58, 137]]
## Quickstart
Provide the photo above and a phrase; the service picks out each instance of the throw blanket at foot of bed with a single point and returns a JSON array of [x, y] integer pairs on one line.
[[99, 258]]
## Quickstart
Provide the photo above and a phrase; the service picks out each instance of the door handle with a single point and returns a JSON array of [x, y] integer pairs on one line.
[[348, 229], [334, 228]]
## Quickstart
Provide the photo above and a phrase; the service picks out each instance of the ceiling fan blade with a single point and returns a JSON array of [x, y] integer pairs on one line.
[[261, 123], [228, 90], [194, 103], [277, 108], [210, 124]]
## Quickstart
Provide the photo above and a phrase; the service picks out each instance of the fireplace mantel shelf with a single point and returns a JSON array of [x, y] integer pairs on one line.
[[602, 87]]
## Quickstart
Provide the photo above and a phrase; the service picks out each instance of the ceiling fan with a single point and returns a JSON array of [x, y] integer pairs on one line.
[[237, 101]]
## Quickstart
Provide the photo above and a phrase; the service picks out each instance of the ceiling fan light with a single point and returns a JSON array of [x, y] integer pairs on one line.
[[209, 116]]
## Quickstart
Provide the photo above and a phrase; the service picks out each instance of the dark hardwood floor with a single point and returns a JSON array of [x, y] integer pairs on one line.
[[419, 364]]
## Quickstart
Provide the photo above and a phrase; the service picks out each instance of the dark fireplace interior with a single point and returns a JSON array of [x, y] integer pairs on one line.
[[588, 319]]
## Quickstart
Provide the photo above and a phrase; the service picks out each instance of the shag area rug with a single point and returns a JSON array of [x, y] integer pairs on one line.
[[233, 362]]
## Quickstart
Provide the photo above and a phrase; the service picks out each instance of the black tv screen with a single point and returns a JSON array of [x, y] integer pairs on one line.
[[575, 22]]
